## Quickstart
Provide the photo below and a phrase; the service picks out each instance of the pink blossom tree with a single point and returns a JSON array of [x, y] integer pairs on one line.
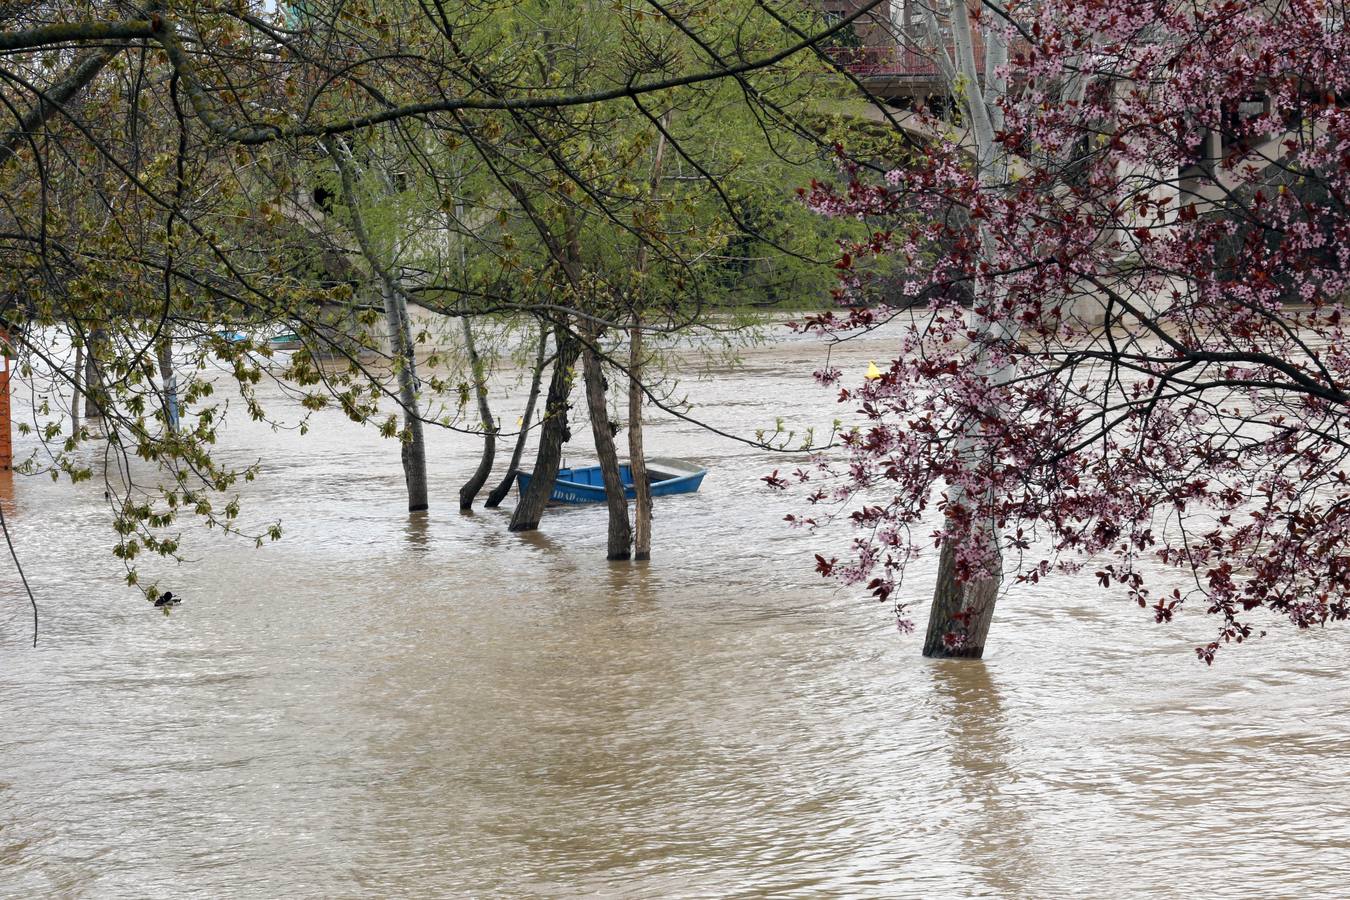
[[1123, 340]]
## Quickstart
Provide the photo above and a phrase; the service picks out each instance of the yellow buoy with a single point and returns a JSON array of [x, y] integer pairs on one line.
[[873, 373]]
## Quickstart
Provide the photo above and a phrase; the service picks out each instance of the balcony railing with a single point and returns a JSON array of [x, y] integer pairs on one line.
[[893, 62], [899, 61]]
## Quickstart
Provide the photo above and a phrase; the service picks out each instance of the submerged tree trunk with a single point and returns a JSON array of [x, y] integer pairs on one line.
[[554, 434], [620, 534], [475, 483], [637, 460], [414, 452], [526, 422], [168, 380], [959, 618], [958, 622], [401, 353], [93, 417], [76, 398]]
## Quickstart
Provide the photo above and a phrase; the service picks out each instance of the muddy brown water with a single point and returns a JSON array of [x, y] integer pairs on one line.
[[383, 705]]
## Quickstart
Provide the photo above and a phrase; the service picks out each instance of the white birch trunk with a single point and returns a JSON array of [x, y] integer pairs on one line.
[[961, 612]]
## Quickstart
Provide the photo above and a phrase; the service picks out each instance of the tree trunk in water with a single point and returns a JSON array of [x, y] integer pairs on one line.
[[93, 417], [168, 379], [480, 477], [642, 487], [637, 460], [620, 535], [78, 377], [958, 622], [414, 451], [499, 492], [530, 509]]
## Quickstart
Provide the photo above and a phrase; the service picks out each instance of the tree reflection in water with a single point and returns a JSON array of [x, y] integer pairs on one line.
[[418, 530], [993, 828]]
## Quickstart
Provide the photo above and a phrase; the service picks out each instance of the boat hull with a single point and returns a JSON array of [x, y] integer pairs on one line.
[[587, 485]]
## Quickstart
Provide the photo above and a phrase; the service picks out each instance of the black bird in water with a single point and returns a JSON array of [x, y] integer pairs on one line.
[[168, 599]]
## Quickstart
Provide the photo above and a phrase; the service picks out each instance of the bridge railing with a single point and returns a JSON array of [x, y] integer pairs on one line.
[[897, 61]]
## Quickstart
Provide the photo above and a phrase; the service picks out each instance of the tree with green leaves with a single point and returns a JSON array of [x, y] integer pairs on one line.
[[165, 212]]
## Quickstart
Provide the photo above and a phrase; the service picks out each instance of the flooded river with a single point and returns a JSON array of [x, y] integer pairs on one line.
[[382, 706]]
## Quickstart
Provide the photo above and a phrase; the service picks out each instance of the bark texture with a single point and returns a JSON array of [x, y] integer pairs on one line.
[[93, 416], [414, 452], [553, 435], [958, 622], [642, 486], [168, 380], [620, 534], [401, 352], [77, 398], [959, 610], [526, 423], [470, 490]]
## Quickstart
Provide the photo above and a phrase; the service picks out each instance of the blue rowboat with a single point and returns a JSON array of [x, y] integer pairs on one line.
[[286, 341], [587, 485]]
